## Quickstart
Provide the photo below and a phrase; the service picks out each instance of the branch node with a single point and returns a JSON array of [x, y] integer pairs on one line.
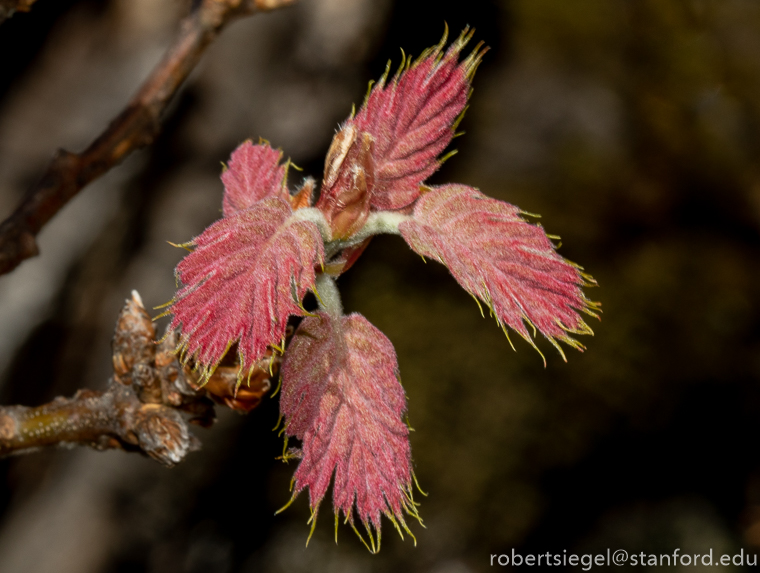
[[148, 404]]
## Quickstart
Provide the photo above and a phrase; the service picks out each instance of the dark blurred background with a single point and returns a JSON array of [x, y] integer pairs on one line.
[[631, 126]]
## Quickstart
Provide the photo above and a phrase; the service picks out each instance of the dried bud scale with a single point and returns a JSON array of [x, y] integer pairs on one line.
[[146, 407]]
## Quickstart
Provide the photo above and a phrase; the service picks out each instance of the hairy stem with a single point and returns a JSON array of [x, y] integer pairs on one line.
[[328, 295], [378, 223]]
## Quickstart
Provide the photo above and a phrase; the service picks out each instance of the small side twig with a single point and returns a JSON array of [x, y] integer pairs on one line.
[[149, 402], [135, 127], [10, 7]]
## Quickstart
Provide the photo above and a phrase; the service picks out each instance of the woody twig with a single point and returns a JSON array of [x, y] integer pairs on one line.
[[135, 127], [148, 404], [10, 7]]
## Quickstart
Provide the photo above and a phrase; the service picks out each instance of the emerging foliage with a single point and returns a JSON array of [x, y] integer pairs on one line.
[[502, 260], [342, 399], [349, 182], [249, 272], [246, 275], [253, 174], [412, 119]]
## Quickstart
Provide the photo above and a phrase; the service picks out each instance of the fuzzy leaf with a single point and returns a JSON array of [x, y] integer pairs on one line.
[[247, 274], [506, 262], [412, 119], [342, 399], [253, 174]]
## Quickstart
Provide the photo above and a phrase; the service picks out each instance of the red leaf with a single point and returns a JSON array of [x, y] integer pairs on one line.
[[247, 274], [506, 262], [412, 120], [253, 174], [342, 399]]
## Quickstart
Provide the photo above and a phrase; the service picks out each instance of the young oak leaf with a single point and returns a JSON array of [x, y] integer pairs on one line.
[[247, 274], [504, 261], [413, 118], [253, 174], [342, 399]]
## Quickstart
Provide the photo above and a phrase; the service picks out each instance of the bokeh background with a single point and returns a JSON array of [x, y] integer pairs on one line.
[[631, 126]]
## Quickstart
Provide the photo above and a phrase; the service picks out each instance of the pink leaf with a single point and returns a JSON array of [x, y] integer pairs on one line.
[[253, 174], [412, 119], [506, 262], [342, 399], [247, 274]]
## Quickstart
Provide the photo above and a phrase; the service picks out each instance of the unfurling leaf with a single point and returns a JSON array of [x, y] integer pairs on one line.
[[412, 119], [248, 273], [342, 399], [506, 262], [348, 182], [253, 174]]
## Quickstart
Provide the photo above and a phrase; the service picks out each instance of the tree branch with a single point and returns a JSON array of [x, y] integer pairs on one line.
[[111, 419], [147, 406], [135, 127]]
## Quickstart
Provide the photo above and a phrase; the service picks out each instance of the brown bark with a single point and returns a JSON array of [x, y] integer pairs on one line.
[[135, 127], [147, 407], [111, 419]]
